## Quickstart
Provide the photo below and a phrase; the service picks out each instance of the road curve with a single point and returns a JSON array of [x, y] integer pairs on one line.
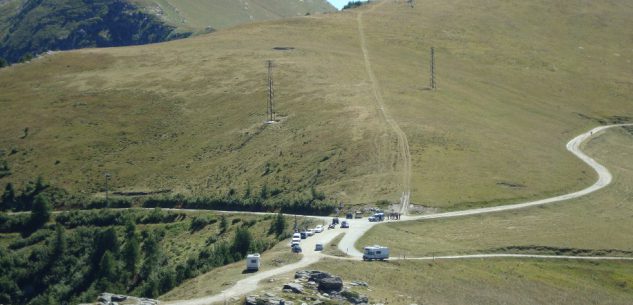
[[348, 242], [604, 179]]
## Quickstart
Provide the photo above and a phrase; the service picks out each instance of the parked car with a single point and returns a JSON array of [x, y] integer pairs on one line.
[[344, 225], [349, 216], [318, 247], [296, 235], [304, 235], [296, 249], [335, 220], [318, 229], [310, 232], [294, 243], [372, 219], [375, 253], [331, 226]]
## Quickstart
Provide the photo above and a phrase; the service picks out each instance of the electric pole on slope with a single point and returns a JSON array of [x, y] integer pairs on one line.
[[433, 84], [271, 93]]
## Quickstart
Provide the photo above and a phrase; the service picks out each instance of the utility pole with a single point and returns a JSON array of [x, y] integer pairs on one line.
[[271, 93], [107, 176], [433, 84]]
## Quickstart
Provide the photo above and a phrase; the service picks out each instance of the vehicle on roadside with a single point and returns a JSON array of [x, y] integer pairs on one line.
[[318, 229], [335, 221], [331, 226], [344, 224], [296, 249], [372, 219], [296, 235], [375, 252], [318, 247], [310, 232], [358, 215], [349, 216], [304, 234], [379, 216], [252, 262], [294, 243]]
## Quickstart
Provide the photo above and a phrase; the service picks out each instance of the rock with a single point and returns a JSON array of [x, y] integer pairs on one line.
[[359, 283], [325, 295], [302, 274], [251, 300], [317, 302], [312, 283], [294, 287], [316, 276], [331, 284], [270, 295], [118, 298], [359, 300]]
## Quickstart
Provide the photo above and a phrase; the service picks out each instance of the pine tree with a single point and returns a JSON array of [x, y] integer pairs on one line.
[[41, 211], [59, 245], [8, 198], [132, 249], [224, 224], [242, 241]]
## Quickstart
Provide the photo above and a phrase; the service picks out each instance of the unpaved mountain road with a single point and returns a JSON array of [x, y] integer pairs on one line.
[[358, 227], [404, 153]]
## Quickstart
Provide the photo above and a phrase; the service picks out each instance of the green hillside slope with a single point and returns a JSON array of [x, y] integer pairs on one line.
[[516, 82]]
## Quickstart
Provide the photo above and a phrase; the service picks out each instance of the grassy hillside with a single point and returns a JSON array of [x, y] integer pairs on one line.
[[488, 282], [516, 82], [198, 15], [598, 224]]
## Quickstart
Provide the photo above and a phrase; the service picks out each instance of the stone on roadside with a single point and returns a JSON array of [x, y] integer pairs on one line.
[[294, 287]]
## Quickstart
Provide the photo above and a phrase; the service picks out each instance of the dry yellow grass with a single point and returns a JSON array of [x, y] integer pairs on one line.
[[187, 115]]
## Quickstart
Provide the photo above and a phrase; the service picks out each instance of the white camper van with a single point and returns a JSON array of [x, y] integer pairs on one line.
[[376, 252], [252, 262]]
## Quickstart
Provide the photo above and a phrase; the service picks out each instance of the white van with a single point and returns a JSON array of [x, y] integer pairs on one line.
[[375, 253], [252, 262]]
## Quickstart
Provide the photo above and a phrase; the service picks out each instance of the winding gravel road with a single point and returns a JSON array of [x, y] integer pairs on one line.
[[358, 227]]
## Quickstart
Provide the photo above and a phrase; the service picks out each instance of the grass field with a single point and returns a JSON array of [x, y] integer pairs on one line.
[[516, 82], [496, 281], [197, 15], [599, 222]]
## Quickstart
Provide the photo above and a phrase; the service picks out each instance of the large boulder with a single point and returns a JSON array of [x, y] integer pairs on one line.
[[317, 276], [329, 284]]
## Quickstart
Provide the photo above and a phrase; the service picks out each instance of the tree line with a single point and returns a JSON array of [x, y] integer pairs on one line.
[[75, 258]]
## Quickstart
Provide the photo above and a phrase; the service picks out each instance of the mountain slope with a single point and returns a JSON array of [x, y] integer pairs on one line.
[[31, 27], [516, 82], [198, 15]]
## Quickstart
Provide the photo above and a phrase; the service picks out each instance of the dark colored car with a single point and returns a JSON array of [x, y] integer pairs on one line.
[[304, 235], [335, 220], [296, 249], [344, 224], [349, 216]]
